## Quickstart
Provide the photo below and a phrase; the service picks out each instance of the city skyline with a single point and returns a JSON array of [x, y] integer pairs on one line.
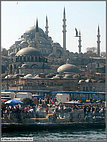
[[22, 15]]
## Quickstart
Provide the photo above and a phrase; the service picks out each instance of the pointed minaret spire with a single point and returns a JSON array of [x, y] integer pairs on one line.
[[98, 29], [37, 29], [79, 42], [46, 26], [64, 13], [37, 34], [64, 30], [79, 33], [98, 42]]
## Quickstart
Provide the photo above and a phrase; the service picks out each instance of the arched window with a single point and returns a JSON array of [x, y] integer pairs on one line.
[[28, 59], [24, 58], [10, 69], [20, 58], [32, 58]]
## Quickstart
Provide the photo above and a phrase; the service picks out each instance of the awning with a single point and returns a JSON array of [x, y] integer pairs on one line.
[[3, 100]]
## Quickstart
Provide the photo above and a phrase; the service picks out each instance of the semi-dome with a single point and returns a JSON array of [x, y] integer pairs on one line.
[[68, 68], [28, 51]]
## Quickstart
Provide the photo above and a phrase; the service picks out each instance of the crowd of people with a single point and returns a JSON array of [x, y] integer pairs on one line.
[[45, 106]]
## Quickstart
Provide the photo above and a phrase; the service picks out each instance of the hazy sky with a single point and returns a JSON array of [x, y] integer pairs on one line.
[[85, 16]]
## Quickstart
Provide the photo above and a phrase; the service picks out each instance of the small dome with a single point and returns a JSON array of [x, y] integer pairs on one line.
[[68, 68], [81, 81], [88, 81], [24, 66], [67, 76], [37, 77], [58, 76], [8, 76], [28, 51], [28, 76], [76, 76]]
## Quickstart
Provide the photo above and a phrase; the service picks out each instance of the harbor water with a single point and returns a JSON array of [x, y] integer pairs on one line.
[[60, 135]]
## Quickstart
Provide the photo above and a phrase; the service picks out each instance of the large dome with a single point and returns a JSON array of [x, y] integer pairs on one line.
[[32, 30], [28, 51], [68, 68]]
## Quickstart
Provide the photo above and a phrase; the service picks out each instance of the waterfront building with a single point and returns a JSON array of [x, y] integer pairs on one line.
[[91, 85]]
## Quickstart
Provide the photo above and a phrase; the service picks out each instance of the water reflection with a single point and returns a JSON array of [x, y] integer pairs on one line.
[[60, 135]]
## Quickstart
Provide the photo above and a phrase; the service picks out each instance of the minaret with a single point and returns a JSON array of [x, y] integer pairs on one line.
[[46, 26], [64, 31], [37, 34], [79, 42], [98, 42]]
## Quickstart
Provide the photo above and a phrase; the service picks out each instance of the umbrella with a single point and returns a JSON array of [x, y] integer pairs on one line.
[[13, 102]]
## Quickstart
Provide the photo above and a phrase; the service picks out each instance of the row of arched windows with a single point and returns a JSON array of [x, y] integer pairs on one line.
[[30, 59]]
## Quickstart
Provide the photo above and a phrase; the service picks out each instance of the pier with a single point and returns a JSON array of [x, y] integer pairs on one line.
[[48, 126]]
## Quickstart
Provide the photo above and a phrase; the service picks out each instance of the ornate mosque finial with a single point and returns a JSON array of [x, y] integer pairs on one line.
[[46, 19], [64, 12], [98, 29]]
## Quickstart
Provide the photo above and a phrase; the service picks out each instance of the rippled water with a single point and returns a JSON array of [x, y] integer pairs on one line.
[[61, 135]]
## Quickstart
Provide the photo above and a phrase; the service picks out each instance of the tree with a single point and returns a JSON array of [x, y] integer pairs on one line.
[[92, 49], [103, 54], [4, 52]]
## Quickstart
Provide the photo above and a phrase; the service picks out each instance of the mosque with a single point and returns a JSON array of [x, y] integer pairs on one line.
[[35, 52]]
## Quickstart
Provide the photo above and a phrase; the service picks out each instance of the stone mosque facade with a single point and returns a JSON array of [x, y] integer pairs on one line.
[[35, 52]]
